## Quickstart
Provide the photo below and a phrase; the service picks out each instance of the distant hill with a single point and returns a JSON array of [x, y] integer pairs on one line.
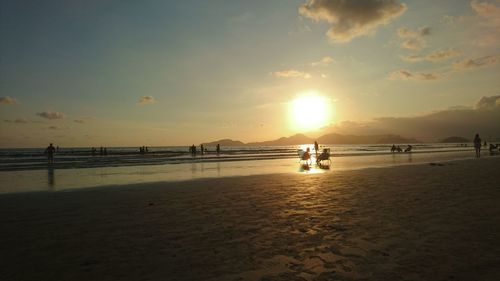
[[376, 139], [293, 140], [224, 142], [326, 139], [454, 139]]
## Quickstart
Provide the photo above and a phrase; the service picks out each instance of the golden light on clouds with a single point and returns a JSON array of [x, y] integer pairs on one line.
[[310, 111]]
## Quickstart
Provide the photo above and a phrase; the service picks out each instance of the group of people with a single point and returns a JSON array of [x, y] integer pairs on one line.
[[494, 148], [102, 151], [143, 150], [325, 155], [399, 149]]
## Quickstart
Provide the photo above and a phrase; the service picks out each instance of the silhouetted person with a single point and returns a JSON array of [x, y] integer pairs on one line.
[[218, 149], [94, 151], [316, 148], [307, 154], [193, 150], [202, 151], [408, 149], [101, 151], [393, 148], [50, 150], [398, 149], [147, 150], [477, 145], [325, 155]]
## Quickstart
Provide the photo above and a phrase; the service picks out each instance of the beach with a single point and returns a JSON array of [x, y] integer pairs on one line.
[[426, 221]]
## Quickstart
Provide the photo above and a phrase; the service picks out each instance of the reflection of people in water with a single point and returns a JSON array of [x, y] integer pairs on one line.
[[50, 150], [50, 177]]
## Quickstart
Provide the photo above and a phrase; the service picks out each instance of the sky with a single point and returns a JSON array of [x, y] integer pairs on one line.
[[133, 73]]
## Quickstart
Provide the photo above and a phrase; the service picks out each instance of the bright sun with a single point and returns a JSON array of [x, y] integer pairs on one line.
[[310, 111]]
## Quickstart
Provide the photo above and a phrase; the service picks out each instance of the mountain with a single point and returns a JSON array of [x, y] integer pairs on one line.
[[293, 140], [224, 142], [455, 139], [326, 139], [375, 139]]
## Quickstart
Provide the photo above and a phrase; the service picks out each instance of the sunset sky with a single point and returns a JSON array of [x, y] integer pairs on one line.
[[130, 73]]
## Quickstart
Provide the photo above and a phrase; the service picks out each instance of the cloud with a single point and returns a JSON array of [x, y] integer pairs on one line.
[[413, 39], [404, 74], [351, 19], [291, 73], [438, 55], [7, 100], [488, 23], [491, 102], [53, 127], [51, 115], [79, 121], [475, 63], [18, 121], [323, 62], [462, 121], [146, 100]]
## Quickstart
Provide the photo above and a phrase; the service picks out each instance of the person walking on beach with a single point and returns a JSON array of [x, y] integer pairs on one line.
[[218, 149], [477, 145], [50, 150], [201, 148]]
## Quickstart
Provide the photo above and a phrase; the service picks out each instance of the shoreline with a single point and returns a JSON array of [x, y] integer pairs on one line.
[[411, 222]]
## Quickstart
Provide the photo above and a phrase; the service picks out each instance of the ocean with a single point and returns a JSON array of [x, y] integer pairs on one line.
[[26, 169]]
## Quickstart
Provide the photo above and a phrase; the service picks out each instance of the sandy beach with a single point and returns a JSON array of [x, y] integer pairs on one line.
[[436, 221]]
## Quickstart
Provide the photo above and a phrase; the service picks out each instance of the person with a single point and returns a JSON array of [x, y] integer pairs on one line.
[[307, 154], [218, 149], [202, 151], [50, 153], [393, 148], [325, 155], [398, 149], [477, 145], [316, 148], [408, 149], [94, 151]]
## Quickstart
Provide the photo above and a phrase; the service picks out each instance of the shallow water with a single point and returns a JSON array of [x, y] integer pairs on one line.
[[54, 179]]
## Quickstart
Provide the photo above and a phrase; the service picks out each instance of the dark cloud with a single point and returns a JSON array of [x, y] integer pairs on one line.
[[404, 74], [7, 100], [459, 121], [413, 39], [478, 62], [18, 120], [146, 100], [350, 19], [438, 55], [492, 102], [51, 115]]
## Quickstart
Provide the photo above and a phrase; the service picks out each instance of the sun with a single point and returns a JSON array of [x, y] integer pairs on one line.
[[310, 111]]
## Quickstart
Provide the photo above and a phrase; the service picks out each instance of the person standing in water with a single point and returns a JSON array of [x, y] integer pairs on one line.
[[316, 148], [477, 145], [50, 150]]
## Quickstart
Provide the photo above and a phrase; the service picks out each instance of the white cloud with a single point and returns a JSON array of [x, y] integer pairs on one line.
[[351, 19], [291, 73], [7, 100], [51, 115], [323, 61], [146, 100]]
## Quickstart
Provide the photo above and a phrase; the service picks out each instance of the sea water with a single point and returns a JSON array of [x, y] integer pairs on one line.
[[23, 170]]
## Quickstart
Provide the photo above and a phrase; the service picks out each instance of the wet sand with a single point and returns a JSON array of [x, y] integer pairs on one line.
[[414, 222]]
